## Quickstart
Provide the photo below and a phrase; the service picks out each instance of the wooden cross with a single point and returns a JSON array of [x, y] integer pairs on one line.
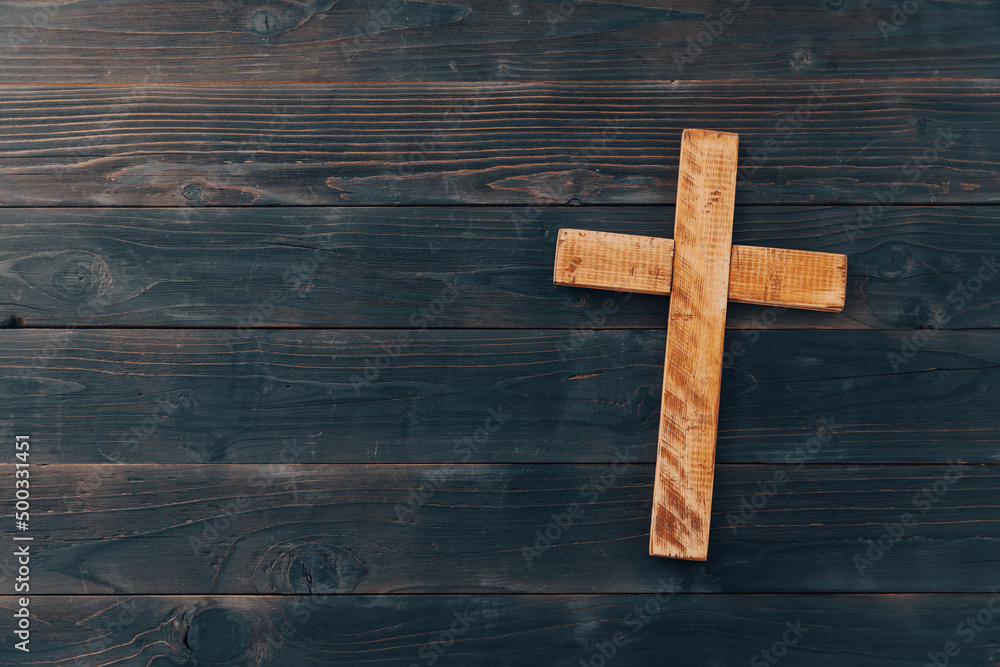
[[702, 271]]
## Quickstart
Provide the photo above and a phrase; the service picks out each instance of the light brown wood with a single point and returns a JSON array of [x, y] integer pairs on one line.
[[685, 459], [702, 271], [790, 278], [766, 276], [623, 262]]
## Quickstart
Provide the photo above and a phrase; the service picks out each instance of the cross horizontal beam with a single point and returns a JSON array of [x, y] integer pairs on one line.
[[765, 276]]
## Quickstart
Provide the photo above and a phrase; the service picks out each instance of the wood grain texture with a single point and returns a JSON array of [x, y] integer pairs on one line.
[[498, 631], [91, 41], [696, 326], [185, 396], [922, 142], [608, 261], [788, 278], [362, 529], [379, 267], [290, 263], [644, 264]]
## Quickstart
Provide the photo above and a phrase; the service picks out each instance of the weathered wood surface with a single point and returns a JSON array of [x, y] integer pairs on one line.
[[182, 396], [645, 264], [90, 41], [696, 331], [608, 261], [473, 267], [466, 528], [855, 630], [786, 278], [503, 113], [922, 141]]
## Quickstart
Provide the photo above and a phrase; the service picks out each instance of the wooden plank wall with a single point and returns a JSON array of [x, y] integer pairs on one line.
[[279, 320]]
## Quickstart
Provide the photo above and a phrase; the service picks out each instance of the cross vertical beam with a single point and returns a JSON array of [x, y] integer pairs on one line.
[[685, 457]]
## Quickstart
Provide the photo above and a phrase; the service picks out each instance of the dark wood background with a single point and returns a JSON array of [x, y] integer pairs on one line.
[[271, 271]]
